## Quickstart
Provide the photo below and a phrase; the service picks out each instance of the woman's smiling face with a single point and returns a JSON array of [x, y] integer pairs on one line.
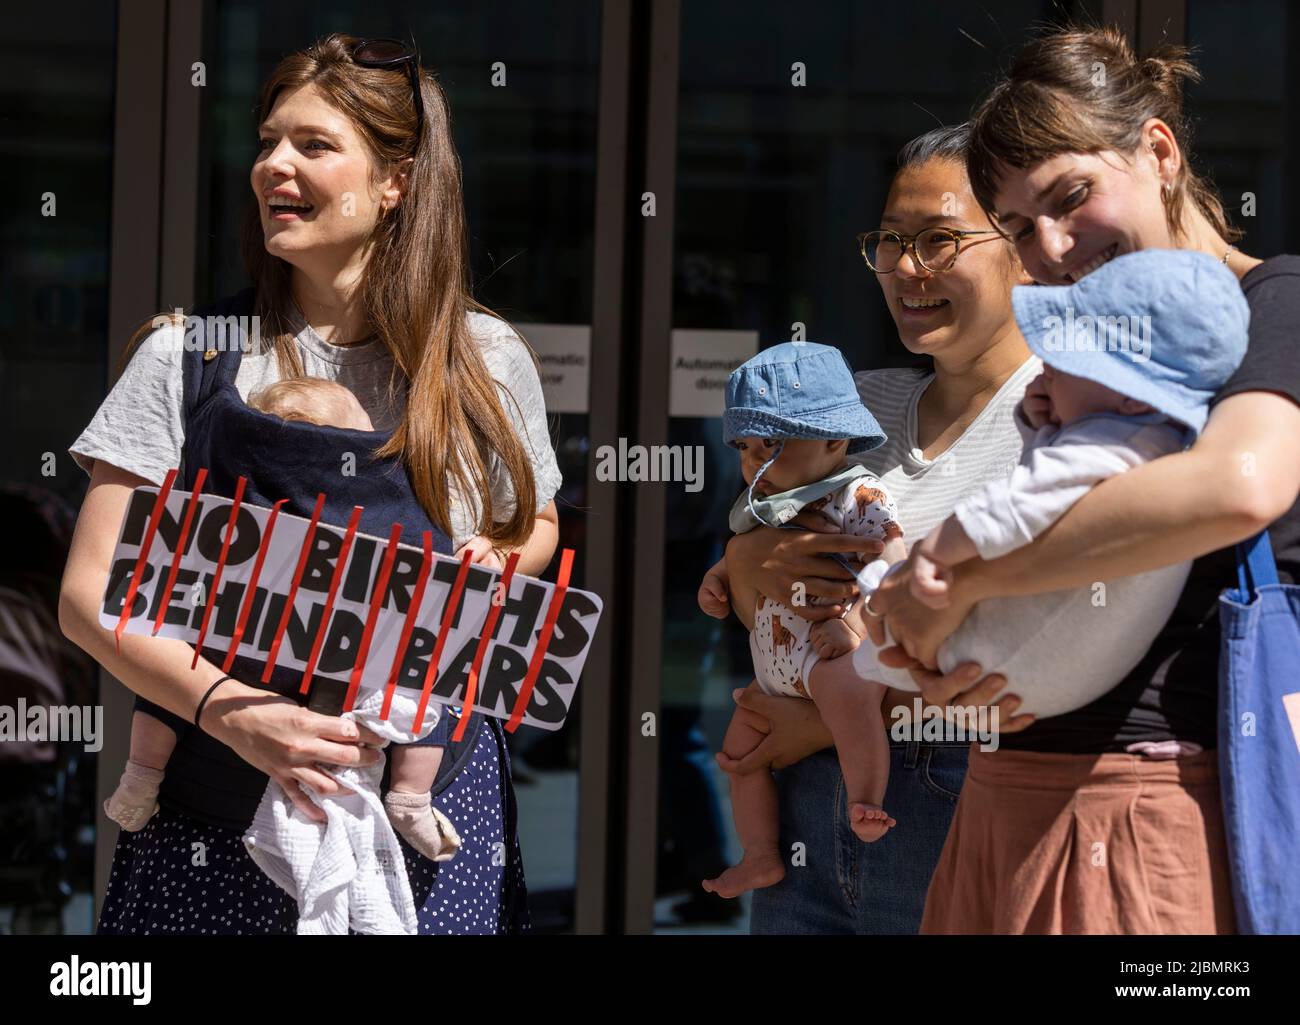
[[312, 180], [968, 304], [1072, 213]]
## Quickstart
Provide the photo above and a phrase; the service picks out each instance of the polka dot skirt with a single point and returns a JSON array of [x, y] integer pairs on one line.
[[179, 875]]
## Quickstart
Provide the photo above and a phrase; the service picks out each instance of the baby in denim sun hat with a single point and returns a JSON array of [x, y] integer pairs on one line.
[[794, 414], [1133, 354]]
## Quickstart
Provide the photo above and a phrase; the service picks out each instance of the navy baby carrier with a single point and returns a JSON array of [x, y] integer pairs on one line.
[[295, 461]]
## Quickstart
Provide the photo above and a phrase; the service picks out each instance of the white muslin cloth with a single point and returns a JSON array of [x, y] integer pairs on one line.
[[349, 870]]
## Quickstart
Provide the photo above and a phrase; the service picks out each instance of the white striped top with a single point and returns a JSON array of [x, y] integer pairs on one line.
[[927, 490]]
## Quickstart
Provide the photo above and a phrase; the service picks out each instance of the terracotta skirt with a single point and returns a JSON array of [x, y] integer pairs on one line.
[[1114, 843]]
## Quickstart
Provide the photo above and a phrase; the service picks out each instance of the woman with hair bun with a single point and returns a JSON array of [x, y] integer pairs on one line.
[[1108, 819]]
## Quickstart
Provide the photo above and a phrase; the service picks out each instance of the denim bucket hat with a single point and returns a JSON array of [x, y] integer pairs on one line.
[[798, 390], [1167, 327]]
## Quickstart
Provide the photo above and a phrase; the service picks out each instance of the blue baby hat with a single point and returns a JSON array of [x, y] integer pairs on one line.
[[797, 390], [1167, 327]]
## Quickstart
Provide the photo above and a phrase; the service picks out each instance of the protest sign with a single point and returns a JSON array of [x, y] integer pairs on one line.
[[237, 579]]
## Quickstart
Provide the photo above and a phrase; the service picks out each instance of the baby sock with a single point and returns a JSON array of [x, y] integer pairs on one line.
[[136, 798], [425, 828]]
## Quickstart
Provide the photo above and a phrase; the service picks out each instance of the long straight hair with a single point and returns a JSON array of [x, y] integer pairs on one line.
[[414, 289]]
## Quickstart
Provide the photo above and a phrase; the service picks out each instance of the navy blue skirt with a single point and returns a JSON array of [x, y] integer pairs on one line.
[[179, 875]]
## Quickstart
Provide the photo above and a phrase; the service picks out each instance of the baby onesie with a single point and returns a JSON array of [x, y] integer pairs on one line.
[[779, 643]]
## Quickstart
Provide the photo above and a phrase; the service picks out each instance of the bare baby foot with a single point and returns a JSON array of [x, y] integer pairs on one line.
[[869, 823], [756, 870]]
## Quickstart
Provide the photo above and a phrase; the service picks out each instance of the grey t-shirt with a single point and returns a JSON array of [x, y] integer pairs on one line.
[[140, 426]]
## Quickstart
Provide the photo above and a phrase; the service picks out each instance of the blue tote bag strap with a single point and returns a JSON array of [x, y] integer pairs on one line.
[[1259, 749], [1255, 565]]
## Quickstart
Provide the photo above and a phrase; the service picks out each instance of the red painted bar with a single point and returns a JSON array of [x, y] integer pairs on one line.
[[485, 638], [221, 564], [293, 588], [337, 579], [431, 674], [154, 517], [543, 639], [251, 593], [190, 509], [376, 600], [417, 596]]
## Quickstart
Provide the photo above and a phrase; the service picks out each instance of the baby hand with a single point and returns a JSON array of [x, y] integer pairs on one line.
[[832, 638], [485, 553], [930, 582], [1036, 404], [713, 597]]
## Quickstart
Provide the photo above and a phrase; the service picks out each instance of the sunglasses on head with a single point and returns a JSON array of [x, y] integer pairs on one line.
[[394, 54]]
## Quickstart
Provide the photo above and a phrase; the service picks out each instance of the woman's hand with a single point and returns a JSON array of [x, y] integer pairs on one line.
[[787, 565], [954, 690], [793, 728], [918, 629], [286, 741], [485, 553]]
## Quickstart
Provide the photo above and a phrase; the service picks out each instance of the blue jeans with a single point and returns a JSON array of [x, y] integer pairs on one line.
[[845, 886]]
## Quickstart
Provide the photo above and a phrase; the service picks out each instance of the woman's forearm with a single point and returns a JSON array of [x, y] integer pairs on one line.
[[1241, 475], [537, 551], [156, 668]]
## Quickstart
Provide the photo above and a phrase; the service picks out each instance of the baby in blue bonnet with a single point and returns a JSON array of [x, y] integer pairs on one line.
[[1133, 355], [794, 415]]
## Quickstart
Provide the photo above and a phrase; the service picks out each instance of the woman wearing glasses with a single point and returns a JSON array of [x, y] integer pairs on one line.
[[1109, 819], [946, 277], [355, 245]]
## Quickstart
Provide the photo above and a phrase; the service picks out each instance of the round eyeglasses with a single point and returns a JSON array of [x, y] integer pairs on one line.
[[935, 249]]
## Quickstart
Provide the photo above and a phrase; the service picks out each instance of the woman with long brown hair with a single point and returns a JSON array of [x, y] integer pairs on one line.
[[356, 249], [1108, 819]]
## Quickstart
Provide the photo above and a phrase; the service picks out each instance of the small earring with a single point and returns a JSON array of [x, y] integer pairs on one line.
[[1165, 194]]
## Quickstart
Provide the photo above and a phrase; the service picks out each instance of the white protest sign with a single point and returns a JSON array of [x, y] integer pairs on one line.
[[337, 649]]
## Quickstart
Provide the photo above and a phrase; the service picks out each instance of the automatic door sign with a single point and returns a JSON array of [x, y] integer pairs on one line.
[[377, 613]]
